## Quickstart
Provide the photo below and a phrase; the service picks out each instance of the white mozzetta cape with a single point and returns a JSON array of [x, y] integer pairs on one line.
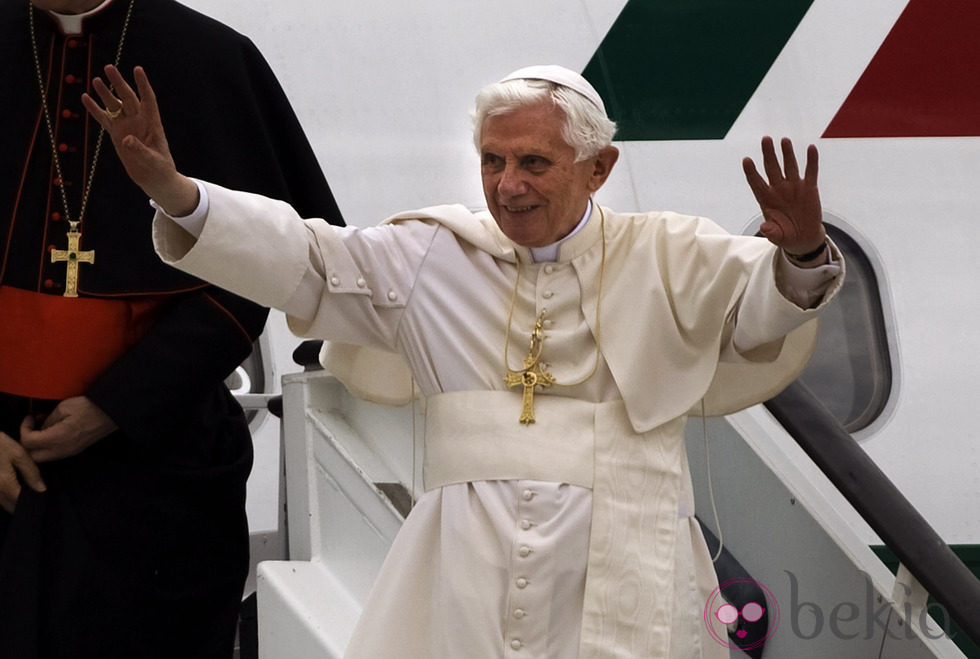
[[688, 313], [719, 290]]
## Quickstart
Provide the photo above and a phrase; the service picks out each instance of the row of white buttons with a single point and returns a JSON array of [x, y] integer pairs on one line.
[[548, 294], [522, 582], [361, 283]]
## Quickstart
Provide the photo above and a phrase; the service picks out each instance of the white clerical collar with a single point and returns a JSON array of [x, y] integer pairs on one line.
[[72, 23], [550, 252]]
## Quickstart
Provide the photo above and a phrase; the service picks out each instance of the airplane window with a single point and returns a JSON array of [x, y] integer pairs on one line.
[[239, 382], [850, 371], [249, 377]]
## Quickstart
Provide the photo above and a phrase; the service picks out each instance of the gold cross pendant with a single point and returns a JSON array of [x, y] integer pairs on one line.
[[533, 373], [530, 377], [73, 256]]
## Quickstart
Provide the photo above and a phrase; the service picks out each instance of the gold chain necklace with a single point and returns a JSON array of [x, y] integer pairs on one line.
[[534, 373], [73, 255]]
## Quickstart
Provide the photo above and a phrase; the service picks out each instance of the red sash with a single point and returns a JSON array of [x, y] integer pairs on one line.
[[54, 347]]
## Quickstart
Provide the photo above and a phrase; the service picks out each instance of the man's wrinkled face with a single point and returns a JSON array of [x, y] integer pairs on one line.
[[534, 189]]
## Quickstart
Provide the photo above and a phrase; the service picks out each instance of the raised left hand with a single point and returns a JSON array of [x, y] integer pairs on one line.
[[74, 425], [792, 216]]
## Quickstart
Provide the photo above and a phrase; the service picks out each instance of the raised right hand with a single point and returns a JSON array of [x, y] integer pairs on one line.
[[133, 123]]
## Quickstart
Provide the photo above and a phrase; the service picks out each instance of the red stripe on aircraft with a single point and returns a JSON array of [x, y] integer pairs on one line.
[[924, 81]]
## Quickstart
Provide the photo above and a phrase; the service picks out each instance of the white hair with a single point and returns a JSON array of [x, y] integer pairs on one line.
[[587, 129]]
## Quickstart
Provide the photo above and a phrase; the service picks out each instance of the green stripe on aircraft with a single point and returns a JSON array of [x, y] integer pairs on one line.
[[684, 69]]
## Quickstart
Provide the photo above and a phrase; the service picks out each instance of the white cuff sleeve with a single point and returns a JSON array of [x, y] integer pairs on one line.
[[806, 286], [193, 223]]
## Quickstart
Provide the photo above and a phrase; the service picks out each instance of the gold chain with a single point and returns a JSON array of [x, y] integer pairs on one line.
[[536, 337], [47, 119]]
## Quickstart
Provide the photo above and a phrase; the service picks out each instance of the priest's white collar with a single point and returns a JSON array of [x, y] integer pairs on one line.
[[550, 252], [72, 23]]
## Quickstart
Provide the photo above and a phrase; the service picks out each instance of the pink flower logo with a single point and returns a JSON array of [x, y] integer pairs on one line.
[[749, 627]]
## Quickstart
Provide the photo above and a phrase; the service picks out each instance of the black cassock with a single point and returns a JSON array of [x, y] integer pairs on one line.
[[139, 547]]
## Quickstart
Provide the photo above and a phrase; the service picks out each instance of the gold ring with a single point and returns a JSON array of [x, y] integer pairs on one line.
[[114, 113]]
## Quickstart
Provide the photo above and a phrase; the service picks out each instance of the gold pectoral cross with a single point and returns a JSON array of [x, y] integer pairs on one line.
[[73, 256], [532, 375]]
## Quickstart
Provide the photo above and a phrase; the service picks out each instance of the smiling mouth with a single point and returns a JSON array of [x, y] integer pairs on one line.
[[519, 209]]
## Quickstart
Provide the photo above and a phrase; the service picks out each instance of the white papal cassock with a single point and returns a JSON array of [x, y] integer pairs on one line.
[[573, 536]]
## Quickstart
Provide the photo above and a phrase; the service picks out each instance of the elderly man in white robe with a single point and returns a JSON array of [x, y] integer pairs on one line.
[[560, 346]]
